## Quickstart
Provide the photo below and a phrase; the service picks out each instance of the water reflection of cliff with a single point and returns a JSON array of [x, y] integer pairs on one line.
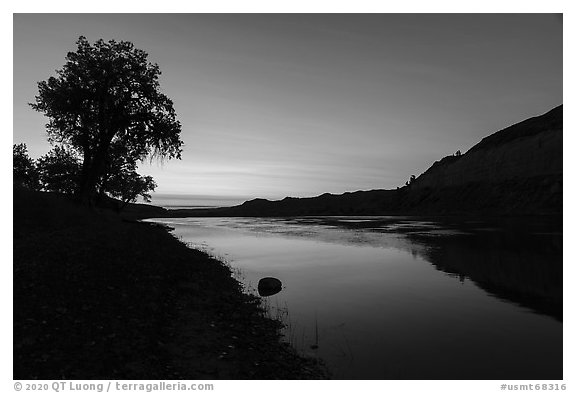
[[517, 266]]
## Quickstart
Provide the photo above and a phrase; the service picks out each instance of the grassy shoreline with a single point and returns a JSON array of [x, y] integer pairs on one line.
[[98, 297]]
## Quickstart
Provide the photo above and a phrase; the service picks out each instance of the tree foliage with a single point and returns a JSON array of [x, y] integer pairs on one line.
[[106, 101], [121, 181], [129, 185], [25, 173], [59, 170]]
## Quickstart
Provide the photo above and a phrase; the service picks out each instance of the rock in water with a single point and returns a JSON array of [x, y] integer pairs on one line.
[[269, 286]]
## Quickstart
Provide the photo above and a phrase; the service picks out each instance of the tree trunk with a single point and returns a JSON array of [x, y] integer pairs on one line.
[[91, 173]]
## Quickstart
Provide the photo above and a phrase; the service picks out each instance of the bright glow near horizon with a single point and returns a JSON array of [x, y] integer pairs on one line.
[[299, 105]]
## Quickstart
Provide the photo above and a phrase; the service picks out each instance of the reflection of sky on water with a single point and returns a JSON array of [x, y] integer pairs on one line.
[[321, 230], [382, 310]]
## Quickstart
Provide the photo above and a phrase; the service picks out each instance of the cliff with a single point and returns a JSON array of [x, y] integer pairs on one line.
[[529, 149]]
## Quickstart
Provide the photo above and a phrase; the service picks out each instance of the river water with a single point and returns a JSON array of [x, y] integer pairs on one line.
[[403, 297]]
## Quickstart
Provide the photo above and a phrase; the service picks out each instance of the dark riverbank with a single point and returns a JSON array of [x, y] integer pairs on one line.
[[98, 297]]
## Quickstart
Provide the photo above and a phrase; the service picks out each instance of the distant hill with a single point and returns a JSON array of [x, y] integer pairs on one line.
[[515, 171]]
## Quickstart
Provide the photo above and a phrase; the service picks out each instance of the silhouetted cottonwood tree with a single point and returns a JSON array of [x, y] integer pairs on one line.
[[107, 94]]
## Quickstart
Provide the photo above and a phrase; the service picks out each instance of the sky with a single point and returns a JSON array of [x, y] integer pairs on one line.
[[275, 105]]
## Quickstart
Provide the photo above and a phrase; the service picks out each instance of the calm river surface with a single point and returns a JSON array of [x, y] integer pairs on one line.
[[403, 297]]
